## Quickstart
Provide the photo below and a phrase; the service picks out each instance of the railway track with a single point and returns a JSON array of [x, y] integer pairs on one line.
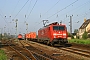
[[18, 53], [21, 52], [85, 54], [39, 54], [28, 52], [78, 51]]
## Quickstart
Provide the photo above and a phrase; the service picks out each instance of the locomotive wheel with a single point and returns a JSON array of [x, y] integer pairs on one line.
[[52, 43], [38, 40], [48, 43]]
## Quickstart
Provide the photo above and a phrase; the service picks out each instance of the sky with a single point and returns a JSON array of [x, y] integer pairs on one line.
[[33, 12]]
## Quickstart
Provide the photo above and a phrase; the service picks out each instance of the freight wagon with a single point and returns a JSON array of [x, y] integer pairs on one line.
[[30, 36]]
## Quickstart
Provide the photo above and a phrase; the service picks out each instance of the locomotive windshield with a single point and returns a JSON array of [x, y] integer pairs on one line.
[[58, 28]]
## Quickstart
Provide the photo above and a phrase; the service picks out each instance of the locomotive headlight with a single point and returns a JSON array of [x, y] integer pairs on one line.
[[64, 34], [54, 34]]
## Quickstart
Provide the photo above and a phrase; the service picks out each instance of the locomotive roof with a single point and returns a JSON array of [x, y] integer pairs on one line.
[[55, 23]]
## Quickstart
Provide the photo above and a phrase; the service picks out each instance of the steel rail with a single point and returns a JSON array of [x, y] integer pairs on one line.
[[30, 54], [77, 51], [41, 56], [21, 55]]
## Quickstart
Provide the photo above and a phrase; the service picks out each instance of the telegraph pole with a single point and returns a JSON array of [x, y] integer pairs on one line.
[[16, 27], [71, 24], [27, 27]]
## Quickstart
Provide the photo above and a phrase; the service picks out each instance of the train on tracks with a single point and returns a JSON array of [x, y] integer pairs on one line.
[[30, 36], [20, 37], [54, 33]]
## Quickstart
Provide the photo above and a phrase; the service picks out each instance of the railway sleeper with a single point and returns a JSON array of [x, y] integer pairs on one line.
[[41, 57]]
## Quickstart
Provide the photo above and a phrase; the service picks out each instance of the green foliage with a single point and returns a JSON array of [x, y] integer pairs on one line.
[[69, 35], [85, 36], [0, 36], [77, 37], [72, 36], [36, 36], [79, 41], [76, 31], [2, 55], [88, 35]]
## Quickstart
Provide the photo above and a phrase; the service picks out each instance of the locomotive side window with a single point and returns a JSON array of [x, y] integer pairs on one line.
[[58, 28]]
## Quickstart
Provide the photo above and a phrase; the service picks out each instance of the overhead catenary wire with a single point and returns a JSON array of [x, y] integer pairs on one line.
[[81, 15], [62, 9], [21, 8], [29, 13], [4, 20], [53, 6], [32, 9], [81, 7], [1, 12], [77, 8], [48, 10], [40, 14], [28, 7], [15, 7]]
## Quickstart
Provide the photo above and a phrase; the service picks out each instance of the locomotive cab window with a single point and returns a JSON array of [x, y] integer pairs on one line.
[[58, 28]]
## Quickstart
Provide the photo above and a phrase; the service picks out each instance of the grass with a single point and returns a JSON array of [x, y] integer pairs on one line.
[[79, 41], [2, 55]]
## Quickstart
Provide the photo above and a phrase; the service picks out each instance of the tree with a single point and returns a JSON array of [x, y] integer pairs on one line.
[[85, 36], [70, 35], [76, 31]]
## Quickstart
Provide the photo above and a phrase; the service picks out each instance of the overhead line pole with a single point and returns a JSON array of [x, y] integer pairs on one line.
[[16, 28], [71, 24]]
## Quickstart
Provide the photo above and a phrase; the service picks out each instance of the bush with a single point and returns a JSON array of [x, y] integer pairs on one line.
[[88, 35], [80, 41], [85, 36], [2, 55], [69, 35], [72, 36]]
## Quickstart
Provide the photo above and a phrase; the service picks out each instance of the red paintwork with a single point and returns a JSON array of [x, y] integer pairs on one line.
[[31, 35], [20, 36], [49, 33]]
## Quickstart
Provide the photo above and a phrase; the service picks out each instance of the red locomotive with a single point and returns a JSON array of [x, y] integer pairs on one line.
[[20, 36], [53, 33]]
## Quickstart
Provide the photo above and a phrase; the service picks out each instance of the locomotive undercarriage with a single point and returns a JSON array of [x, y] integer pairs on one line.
[[54, 41], [59, 41]]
